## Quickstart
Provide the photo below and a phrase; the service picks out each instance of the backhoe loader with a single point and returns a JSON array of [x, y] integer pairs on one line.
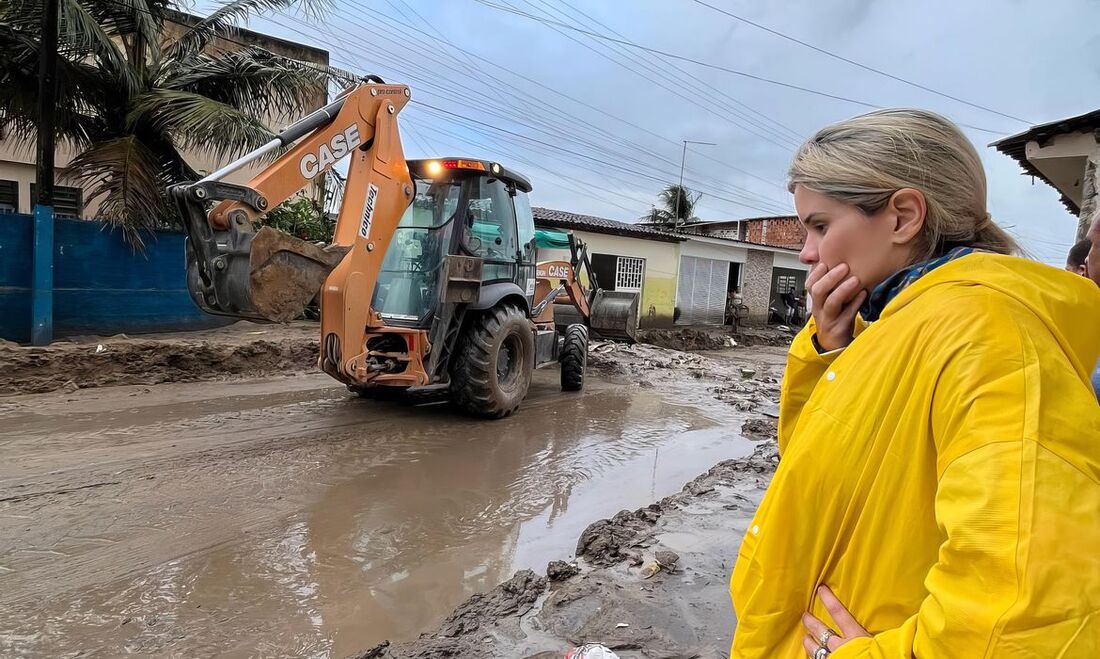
[[431, 281]]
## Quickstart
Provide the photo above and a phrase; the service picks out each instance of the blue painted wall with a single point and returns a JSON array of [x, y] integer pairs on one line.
[[101, 286]]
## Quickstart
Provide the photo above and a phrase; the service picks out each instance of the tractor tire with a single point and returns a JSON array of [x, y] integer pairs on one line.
[[492, 365], [574, 357]]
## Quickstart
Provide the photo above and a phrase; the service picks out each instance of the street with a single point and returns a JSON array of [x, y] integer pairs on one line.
[[285, 516]]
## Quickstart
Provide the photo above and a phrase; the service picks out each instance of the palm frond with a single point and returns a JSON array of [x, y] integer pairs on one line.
[[139, 20], [78, 87], [196, 123], [125, 176], [254, 81], [222, 21], [80, 35]]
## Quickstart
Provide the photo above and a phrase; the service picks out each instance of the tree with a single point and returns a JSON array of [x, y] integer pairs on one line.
[[129, 102], [677, 207]]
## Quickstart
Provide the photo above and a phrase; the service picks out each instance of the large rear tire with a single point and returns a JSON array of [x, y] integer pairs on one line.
[[574, 357], [491, 368]]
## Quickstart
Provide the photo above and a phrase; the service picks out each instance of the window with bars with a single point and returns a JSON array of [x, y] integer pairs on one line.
[[67, 202], [629, 274], [9, 197], [787, 283]]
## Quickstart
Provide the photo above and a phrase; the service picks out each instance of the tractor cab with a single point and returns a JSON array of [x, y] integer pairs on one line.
[[461, 207]]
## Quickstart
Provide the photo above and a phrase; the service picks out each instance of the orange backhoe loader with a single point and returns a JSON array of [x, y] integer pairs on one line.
[[431, 281]]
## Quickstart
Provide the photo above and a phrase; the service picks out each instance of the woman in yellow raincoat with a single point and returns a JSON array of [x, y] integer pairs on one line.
[[938, 493]]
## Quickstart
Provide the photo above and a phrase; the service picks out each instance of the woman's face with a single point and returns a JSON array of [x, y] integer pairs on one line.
[[840, 233]]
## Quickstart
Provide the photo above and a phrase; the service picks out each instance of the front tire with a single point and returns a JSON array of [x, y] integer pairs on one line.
[[574, 357], [491, 369]]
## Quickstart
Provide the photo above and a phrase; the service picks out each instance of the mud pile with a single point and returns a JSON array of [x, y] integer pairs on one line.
[[689, 338], [714, 338], [241, 350], [630, 590]]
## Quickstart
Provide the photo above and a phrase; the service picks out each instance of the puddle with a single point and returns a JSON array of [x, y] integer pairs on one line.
[[401, 524]]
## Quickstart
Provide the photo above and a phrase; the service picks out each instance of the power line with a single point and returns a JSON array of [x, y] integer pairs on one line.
[[708, 65], [548, 145], [683, 58], [769, 135], [682, 71], [557, 130], [775, 209], [559, 148], [557, 92], [858, 64]]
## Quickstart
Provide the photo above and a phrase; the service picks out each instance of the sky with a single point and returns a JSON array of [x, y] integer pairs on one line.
[[597, 126]]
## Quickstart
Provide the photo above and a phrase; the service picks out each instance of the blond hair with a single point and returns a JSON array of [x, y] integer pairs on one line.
[[864, 160]]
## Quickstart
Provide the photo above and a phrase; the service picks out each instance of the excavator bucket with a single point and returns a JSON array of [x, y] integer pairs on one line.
[[265, 275], [614, 314], [286, 273]]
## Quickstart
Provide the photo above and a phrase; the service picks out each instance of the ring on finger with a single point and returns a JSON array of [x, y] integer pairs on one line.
[[821, 653], [823, 641]]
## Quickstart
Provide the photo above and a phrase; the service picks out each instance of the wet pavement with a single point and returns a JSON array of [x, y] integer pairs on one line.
[[283, 517]]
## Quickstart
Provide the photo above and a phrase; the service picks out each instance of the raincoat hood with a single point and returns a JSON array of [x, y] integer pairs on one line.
[[1066, 303]]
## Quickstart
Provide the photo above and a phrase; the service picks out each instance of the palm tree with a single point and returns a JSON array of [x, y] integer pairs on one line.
[[129, 102], [677, 207]]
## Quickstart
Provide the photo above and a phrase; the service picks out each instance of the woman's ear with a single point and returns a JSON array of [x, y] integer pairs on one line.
[[909, 209]]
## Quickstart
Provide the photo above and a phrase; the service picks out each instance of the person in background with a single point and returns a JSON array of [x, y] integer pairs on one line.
[[938, 490], [1092, 260], [1092, 271], [1075, 260]]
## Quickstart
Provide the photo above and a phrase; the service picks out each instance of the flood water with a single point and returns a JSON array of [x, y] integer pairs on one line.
[[394, 516]]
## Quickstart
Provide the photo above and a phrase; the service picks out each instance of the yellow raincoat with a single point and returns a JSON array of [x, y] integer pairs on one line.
[[941, 474]]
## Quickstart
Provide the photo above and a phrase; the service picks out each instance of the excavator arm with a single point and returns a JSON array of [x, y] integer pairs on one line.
[[267, 275]]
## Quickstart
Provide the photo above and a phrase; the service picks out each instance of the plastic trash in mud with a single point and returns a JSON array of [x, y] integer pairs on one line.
[[591, 651], [662, 560], [747, 373]]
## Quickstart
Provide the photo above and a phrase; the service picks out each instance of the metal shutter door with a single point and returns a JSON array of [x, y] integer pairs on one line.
[[685, 289], [702, 291]]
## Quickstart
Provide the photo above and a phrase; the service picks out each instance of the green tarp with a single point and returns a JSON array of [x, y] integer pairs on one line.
[[544, 238], [551, 239]]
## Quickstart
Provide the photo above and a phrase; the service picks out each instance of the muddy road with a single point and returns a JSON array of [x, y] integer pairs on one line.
[[285, 517]]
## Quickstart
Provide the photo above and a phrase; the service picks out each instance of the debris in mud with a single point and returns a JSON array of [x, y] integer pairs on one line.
[[456, 636], [689, 338], [662, 560], [560, 570], [667, 559], [760, 429], [606, 541], [514, 597], [654, 618]]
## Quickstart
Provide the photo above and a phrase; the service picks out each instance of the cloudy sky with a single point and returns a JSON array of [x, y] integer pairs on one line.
[[598, 125]]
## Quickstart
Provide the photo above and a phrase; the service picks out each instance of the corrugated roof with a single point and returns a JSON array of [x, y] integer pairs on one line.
[[1015, 146], [720, 223], [548, 217]]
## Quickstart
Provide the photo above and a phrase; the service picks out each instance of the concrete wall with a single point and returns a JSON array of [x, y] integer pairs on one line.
[[756, 283], [662, 259], [100, 285]]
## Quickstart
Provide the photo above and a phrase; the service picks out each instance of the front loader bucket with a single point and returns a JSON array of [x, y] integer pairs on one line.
[[614, 314]]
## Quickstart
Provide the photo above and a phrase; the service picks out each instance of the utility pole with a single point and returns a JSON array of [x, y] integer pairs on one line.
[[42, 275], [680, 190]]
